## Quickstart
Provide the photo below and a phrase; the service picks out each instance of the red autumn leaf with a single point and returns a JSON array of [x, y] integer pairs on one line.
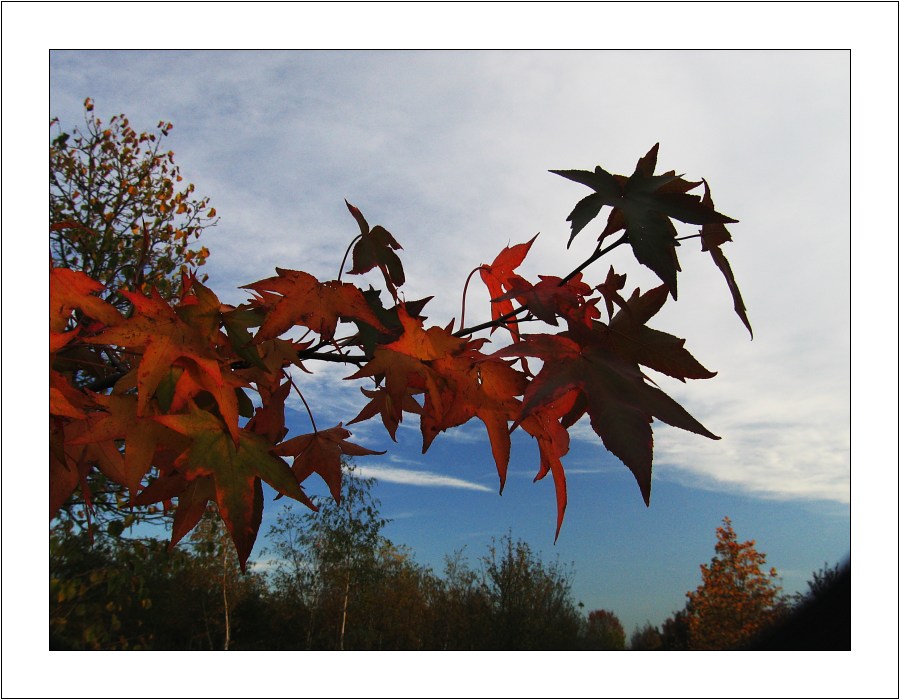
[[550, 299], [71, 462], [473, 385], [406, 362], [391, 414], [166, 340], [120, 422], [499, 277], [321, 452], [65, 399], [611, 390], [192, 502], [609, 289], [553, 444], [268, 419], [298, 298], [70, 290], [66, 466]]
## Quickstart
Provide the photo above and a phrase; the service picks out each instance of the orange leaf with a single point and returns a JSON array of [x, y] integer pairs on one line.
[[321, 453], [298, 298]]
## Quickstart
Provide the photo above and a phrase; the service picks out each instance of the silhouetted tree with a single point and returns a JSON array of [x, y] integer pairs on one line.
[[531, 604], [646, 638], [675, 634]]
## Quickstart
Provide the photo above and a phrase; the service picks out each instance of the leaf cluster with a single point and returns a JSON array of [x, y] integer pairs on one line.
[[196, 389]]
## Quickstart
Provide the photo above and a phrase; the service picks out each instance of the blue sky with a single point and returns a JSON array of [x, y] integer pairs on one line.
[[450, 152]]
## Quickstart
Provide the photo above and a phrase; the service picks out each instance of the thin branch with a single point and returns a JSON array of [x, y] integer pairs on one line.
[[334, 357], [595, 256], [105, 382], [497, 323]]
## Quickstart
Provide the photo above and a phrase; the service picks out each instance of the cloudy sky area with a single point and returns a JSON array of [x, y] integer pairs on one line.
[[450, 152]]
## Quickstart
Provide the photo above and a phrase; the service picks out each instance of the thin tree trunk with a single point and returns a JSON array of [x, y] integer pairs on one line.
[[344, 616], [225, 595]]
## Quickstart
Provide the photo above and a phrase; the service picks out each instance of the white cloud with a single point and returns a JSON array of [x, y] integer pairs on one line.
[[411, 477]]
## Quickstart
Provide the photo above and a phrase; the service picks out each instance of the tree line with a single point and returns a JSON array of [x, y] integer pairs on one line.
[[327, 581], [333, 581]]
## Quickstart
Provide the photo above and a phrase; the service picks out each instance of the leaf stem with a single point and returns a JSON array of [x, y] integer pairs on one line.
[[346, 253], [300, 394], [462, 316]]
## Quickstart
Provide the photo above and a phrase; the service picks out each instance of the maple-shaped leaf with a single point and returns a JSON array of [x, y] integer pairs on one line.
[[321, 452], [406, 362], [65, 399], [192, 504], [391, 414], [298, 298], [642, 205], [375, 248], [67, 468], [237, 321], [268, 419], [70, 463], [72, 289], [500, 276], [236, 470], [713, 235], [368, 337], [166, 340], [609, 290], [120, 421], [544, 425], [550, 298], [630, 338], [473, 385], [611, 390], [193, 498]]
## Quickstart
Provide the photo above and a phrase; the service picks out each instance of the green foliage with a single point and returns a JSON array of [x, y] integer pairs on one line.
[[127, 594]]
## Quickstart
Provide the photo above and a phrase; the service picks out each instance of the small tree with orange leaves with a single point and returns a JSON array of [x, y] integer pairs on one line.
[[118, 212], [737, 598]]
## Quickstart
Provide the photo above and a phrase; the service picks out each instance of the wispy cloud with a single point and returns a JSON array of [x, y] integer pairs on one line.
[[412, 477]]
